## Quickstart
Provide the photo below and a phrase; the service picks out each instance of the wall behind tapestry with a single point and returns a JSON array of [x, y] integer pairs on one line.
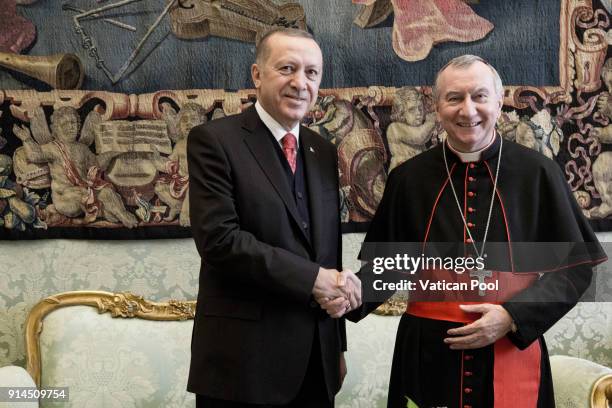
[[109, 161]]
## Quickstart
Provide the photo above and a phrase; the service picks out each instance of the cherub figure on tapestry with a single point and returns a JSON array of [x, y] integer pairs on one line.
[[602, 167], [602, 179], [361, 155], [411, 126], [78, 188], [604, 106], [172, 186], [540, 132]]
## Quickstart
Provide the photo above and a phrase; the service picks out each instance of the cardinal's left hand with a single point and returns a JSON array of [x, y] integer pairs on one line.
[[494, 323]]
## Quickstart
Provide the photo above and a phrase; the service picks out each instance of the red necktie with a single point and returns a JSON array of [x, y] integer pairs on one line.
[[289, 143]]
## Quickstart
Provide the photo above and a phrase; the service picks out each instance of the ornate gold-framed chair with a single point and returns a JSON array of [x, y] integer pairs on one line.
[[111, 349]]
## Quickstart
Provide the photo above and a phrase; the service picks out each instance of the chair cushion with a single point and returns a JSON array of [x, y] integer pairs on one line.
[[13, 376], [114, 362], [573, 380]]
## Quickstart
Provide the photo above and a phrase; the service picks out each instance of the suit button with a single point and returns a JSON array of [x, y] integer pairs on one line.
[[314, 304], [304, 225], [299, 195]]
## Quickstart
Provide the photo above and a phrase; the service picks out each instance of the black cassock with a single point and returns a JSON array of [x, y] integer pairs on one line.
[[533, 204]]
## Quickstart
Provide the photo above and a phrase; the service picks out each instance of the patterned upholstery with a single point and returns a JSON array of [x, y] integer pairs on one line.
[[112, 362], [13, 376], [368, 360], [574, 379]]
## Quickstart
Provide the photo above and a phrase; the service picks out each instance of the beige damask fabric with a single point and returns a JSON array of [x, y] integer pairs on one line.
[[570, 393], [14, 376], [585, 332], [32, 270], [113, 362]]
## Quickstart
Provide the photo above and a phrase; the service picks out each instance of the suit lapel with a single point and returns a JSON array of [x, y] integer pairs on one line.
[[313, 168], [258, 141]]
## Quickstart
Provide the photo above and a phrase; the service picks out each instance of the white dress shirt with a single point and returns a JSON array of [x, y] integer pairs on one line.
[[278, 131]]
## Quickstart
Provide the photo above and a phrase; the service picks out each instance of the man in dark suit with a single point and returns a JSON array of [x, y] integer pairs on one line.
[[264, 214]]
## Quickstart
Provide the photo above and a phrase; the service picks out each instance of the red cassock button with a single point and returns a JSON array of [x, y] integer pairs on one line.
[[472, 165], [471, 225], [471, 178], [467, 406], [471, 194], [471, 210], [468, 357], [467, 373], [469, 241], [467, 390]]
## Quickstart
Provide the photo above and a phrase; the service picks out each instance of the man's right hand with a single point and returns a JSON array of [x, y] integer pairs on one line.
[[327, 284], [337, 292]]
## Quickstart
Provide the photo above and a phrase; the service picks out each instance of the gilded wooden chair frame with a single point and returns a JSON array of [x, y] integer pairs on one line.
[[601, 394], [124, 305]]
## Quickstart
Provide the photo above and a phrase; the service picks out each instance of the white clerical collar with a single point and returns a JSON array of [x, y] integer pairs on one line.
[[468, 157], [278, 131]]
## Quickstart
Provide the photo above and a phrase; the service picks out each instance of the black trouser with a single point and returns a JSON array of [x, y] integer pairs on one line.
[[312, 394]]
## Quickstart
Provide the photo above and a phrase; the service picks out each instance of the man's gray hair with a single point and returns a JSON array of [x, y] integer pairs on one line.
[[262, 51], [464, 62]]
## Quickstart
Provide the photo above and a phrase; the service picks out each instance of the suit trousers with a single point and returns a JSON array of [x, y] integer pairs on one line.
[[312, 393]]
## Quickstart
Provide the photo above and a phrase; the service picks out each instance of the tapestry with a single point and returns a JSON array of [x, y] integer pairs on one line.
[[97, 98]]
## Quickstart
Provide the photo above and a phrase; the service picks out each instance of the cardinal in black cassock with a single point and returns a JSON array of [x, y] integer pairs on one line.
[[480, 190]]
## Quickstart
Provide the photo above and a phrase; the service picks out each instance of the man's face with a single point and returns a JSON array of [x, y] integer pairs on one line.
[[468, 106], [287, 81]]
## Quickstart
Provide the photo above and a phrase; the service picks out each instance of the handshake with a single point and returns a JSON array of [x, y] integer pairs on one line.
[[337, 292]]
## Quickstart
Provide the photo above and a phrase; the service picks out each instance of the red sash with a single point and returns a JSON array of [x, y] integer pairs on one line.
[[516, 376]]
